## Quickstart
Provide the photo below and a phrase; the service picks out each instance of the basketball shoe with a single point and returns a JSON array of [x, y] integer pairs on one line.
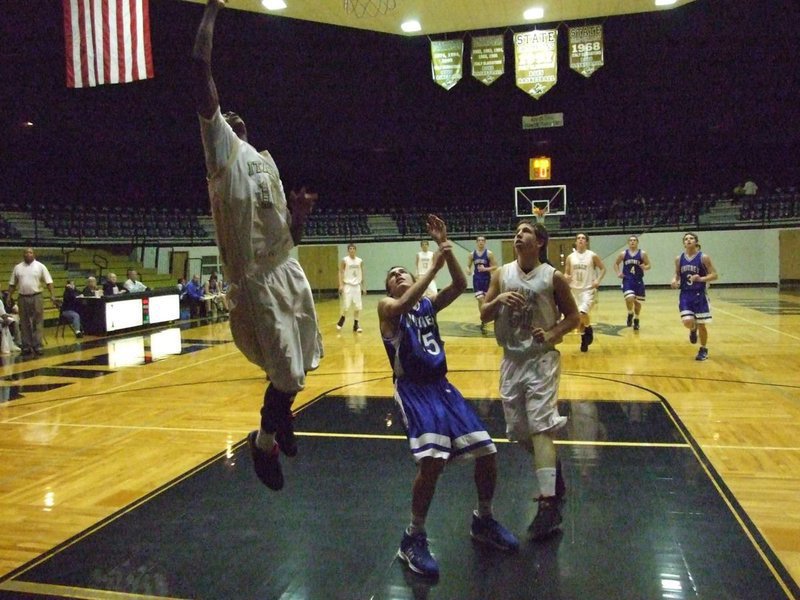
[[266, 463], [414, 552], [547, 519], [487, 530]]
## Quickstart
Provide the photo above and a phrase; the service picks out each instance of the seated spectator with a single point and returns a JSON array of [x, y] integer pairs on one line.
[[7, 320], [91, 289], [181, 285], [110, 287], [12, 321], [213, 288], [195, 293], [133, 284], [749, 188], [69, 309]]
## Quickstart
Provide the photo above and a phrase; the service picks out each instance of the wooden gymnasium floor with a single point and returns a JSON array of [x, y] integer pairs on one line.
[[124, 475]]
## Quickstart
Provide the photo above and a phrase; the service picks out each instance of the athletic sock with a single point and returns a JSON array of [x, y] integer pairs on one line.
[[264, 440], [484, 508], [547, 481], [417, 525]]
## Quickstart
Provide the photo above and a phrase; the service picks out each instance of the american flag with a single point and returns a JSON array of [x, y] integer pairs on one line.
[[107, 41]]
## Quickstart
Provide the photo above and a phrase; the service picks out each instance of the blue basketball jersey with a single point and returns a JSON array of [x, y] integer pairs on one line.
[[480, 259], [632, 265], [691, 267], [417, 351]]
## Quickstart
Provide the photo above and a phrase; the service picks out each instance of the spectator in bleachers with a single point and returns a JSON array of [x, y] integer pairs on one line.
[[195, 293], [750, 188], [91, 289], [69, 308], [27, 277], [110, 287], [133, 284]]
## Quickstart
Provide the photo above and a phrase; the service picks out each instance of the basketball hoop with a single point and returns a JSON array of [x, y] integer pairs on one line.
[[539, 213], [368, 8]]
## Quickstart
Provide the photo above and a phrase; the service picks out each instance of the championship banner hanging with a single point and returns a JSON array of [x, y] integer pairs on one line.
[[488, 58], [586, 49], [535, 54], [446, 62]]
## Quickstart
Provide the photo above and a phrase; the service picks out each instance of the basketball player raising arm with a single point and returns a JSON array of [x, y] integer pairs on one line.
[[272, 315], [431, 407]]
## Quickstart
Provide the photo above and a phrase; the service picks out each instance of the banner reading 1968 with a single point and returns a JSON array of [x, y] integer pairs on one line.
[[446, 62], [536, 61], [586, 49], [488, 58]]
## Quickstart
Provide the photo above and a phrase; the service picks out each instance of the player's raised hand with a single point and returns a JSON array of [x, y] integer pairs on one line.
[[437, 229]]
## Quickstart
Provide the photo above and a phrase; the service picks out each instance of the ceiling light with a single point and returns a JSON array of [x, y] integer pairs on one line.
[[533, 13], [665, 2], [411, 26], [273, 4]]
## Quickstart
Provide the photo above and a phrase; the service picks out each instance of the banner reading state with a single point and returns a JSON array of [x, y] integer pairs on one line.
[[536, 56], [446, 62], [488, 58], [586, 49]]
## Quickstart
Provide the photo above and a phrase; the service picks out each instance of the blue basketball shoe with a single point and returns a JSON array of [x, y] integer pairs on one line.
[[487, 530], [415, 553]]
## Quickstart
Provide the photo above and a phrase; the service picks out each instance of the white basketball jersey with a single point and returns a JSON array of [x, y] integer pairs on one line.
[[352, 271], [513, 327], [424, 260], [247, 202], [583, 271]]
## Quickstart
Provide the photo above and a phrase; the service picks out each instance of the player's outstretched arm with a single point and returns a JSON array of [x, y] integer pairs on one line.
[[438, 231], [391, 308], [205, 90]]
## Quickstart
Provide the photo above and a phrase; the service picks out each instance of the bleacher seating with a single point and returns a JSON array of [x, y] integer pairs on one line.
[[44, 225], [780, 205]]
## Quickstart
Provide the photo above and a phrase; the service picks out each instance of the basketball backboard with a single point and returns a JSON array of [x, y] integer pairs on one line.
[[539, 200]]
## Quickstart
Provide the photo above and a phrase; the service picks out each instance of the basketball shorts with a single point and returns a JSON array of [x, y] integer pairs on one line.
[[694, 305], [480, 285], [529, 389], [633, 288], [351, 297], [584, 299], [274, 324], [439, 423]]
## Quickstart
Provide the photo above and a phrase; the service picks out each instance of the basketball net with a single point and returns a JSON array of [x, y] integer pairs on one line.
[[369, 8], [539, 214]]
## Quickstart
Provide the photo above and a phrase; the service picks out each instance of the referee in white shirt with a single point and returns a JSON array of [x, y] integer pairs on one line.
[[28, 277]]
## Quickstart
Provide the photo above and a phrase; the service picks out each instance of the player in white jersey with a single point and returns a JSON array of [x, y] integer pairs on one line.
[[584, 271], [351, 287], [532, 307], [423, 264], [272, 314]]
